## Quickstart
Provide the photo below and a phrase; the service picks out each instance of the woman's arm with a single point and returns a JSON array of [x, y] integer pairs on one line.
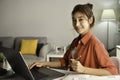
[[93, 71], [78, 67], [48, 64]]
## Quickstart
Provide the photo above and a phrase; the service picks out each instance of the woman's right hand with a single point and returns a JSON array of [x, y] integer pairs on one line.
[[36, 64]]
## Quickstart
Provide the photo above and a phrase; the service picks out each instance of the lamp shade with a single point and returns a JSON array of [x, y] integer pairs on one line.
[[108, 14]]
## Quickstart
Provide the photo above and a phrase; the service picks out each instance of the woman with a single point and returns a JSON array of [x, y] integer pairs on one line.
[[86, 53]]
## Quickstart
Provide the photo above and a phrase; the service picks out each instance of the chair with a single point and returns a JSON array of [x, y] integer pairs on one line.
[[116, 61]]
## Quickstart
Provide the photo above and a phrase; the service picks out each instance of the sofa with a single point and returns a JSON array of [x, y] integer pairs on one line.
[[15, 43]]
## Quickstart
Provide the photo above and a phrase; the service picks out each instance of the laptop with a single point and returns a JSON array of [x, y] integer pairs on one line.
[[21, 70]]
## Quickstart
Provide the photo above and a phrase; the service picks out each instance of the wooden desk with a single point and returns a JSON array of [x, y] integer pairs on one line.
[[75, 76]]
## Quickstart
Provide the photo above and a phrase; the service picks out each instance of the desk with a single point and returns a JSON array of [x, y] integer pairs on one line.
[[54, 54], [89, 77], [75, 76]]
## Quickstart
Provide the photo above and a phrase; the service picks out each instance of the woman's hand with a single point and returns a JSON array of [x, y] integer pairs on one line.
[[37, 64], [77, 66]]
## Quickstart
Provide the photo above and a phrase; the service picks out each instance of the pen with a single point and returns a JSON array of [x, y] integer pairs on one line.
[[78, 57]]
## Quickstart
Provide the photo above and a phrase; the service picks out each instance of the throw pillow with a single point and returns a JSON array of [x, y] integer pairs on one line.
[[0, 43], [29, 46], [39, 46]]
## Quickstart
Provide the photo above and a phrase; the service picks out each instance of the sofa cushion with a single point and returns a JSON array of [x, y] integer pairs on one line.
[[0, 43], [29, 46], [19, 39], [32, 58], [7, 41], [39, 46]]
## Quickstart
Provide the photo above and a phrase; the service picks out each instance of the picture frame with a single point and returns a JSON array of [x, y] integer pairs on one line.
[[60, 49]]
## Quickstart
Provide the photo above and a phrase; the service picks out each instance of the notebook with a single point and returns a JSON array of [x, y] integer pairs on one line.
[[20, 68]]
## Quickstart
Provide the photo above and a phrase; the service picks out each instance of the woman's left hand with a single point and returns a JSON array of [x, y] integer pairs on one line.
[[77, 66]]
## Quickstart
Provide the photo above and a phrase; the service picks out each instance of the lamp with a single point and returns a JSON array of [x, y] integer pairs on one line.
[[108, 15]]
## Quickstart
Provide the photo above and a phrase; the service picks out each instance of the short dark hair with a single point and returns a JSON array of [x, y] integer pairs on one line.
[[85, 9]]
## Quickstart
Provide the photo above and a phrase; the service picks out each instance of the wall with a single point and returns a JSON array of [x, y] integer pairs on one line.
[[51, 18]]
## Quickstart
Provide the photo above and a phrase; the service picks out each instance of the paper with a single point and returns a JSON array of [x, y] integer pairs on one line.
[[104, 78], [88, 77], [76, 77], [71, 75]]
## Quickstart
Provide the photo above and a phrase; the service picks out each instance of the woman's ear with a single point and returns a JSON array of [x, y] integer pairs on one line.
[[91, 20]]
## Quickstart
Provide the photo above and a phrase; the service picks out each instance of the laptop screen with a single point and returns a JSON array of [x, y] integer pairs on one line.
[[19, 66], [17, 63]]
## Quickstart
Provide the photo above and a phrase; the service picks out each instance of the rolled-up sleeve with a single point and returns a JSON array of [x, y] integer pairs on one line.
[[104, 60], [65, 60], [62, 62]]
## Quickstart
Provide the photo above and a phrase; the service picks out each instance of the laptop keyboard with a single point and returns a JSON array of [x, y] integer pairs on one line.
[[44, 73], [38, 75]]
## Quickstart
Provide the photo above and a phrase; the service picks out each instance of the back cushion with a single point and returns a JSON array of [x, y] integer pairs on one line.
[[7, 42], [29, 46], [18, 40], [0, 43], [39, 46]]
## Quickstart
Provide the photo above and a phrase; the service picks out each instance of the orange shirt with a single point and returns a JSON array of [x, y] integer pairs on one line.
[[92, 53]]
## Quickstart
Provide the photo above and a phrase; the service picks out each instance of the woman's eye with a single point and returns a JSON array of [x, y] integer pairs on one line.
[[80, 19]]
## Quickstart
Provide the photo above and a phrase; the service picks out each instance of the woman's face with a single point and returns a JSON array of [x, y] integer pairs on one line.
[[81, 23]]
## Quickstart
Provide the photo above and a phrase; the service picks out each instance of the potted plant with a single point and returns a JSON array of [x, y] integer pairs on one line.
[[2, 58]]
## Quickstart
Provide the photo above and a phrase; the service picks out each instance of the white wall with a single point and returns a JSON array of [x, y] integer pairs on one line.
[[51, 18]]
